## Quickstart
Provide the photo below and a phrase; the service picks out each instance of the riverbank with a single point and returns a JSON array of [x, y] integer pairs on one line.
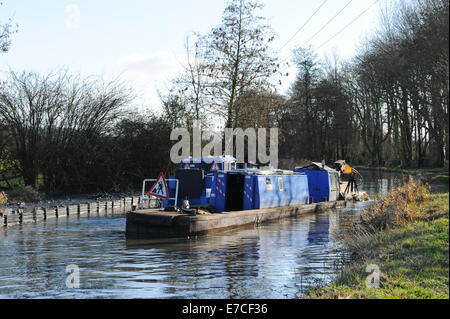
[[406, 235], [28, 198]]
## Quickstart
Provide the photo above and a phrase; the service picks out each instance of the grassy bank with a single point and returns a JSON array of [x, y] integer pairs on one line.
[[406, 234]]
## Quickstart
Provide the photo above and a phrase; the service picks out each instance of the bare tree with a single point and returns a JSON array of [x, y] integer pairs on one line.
[[6, 30], [388, 105], [48, 115], [195, 80], [238, 58], [185, 99]]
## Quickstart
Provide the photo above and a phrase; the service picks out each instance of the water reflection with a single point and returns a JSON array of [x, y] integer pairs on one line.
[[319, 229], [277, 260], [378, 183]]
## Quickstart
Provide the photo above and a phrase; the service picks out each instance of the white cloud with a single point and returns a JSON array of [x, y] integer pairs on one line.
[[149, 72], [155, 65]]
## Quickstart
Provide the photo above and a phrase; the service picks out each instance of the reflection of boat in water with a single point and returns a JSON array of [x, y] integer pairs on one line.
[[237, 252], [319, 227], [290, 254]]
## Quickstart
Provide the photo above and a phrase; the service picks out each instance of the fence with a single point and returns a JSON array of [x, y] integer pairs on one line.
[[117, 207]]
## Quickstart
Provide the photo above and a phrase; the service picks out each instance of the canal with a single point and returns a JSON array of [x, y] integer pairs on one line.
[[276, 260]]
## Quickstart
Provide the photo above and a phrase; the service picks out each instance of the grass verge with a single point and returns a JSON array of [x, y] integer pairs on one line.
[[406, 234]]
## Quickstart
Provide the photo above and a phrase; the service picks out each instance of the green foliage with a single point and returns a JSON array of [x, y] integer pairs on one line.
[[12, 183], [7, 163]]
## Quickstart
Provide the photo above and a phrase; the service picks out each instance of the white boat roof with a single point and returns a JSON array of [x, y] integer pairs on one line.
[[254, 171], [217, 159], [318, 166]]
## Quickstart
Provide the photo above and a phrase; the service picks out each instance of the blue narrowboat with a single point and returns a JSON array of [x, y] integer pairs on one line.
[[255, 189], [323, 182], [216, 184]]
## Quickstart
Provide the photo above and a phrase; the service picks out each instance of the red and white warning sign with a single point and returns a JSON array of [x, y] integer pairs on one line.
[[214, 167], [187, 166], [159, 189]]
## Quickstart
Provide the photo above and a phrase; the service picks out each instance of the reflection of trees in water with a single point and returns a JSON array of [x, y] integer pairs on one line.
[[241, 262], [380, 183], [33, 258], [229, 265], [174, 265]]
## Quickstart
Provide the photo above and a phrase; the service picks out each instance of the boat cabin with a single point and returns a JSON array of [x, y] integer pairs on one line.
[[323, 182]]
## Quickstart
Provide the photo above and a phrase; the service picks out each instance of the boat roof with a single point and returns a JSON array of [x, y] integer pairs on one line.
[[317, 166], [255, 171], [210, 159]]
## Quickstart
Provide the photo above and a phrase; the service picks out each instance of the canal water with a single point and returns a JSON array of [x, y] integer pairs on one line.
[[276, 260]]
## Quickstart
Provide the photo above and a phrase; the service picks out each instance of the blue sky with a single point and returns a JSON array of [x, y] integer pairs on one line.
[[143, 40]]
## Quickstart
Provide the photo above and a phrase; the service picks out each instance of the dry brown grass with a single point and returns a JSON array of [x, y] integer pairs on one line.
[[25, 194], [395, 209], [398, 208], [3, 198]]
